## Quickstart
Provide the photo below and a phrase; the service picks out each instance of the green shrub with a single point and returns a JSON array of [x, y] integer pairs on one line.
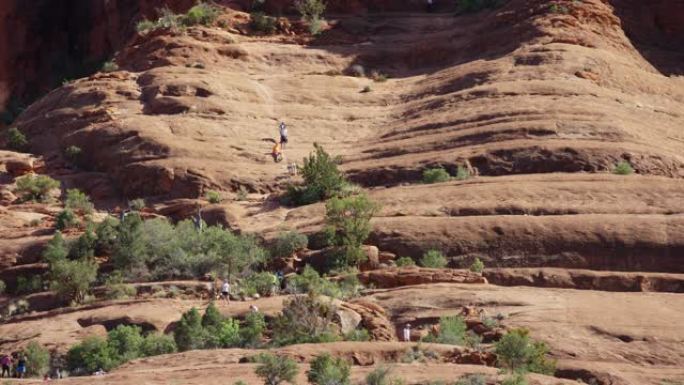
[[110, 66], [37, 359], [276, 369], [477, 266], [379, 376], [66, 219], [263, 283], [304, 319], [106, 233], [168, 19], [623, 168], [27, 285], [405, 261], [78, 202], [462, 173], [288, 243], [316, 26], [466, 6], [125, 343], [189, 334], [263, 23], [348, 226], [91, 355], [435, 175], [515, 379], [201, 14], [310, 9], [56, 249], [35, 187], [434, 259], [3, 287], [309, 281], [212, 318], [213, 197], [229, 333], [156, 344], [452, 330], [145, 26], [357, 335], [472, 379], [16, 140], [137, 204], [84, 246], [252, 331], [326, 370], [366, 89], [516, 352], [322, 178], [72, 279], [73, 153], [115, 287]]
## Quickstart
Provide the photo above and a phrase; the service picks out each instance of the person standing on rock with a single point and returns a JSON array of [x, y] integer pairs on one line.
[[21, 366], [283, 134], [407, 333], [6, 362]]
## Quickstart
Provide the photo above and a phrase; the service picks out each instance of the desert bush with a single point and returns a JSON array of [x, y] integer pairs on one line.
[[137, 204], [472, 379], [288, 243], [515, 379], [168, 19], [229, 333], [129, 249], [473, 340], [263, 283], [110, 66], [310, 10], [379, 376], [66, 219], [462, 173], [327, 370], [213, 197], [90, 355], [16, 140], [83, 247], [56, 248], [309, 281], [276, 369], [348, 226], [316, 26], [37, 359], [73, 153], [189, 333], [434, 259], [156, 344], [263, 23], [322, 178], [241, 194], [452, 330], [125, 343], [71, 280], [366, 89], [27, 285], [35, 187], [201, 14], [516, 352], [435, 175], [78, 202], [478, 5], [477, 266], [405, 261], [252, 331], [116, 288], [357, 335], [623, 168], [145, 26], [304, 319]]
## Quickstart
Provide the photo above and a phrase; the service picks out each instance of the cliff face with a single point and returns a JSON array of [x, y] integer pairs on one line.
[[44, 42]]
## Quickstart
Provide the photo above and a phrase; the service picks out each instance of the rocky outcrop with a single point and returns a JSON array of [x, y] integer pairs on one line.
[[394, 277], [374, 319]]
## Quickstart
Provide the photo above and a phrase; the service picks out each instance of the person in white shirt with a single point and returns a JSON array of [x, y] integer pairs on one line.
[[225, 290], [407, 333], [283, 134]]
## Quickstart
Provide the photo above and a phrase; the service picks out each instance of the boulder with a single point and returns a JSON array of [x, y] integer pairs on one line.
[[372, 258], [348, 319], [405, 276], [19, 166]]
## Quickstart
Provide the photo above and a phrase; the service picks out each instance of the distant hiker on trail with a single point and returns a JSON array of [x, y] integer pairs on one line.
[[283, 134], [407, 333], [6, 362], [21, 367], [253, 309], [277, 153], [225, 290]]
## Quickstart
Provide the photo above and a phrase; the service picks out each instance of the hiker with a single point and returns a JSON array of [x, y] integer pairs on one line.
[[6, 362], [407, 333], [277, 153], [430, 6], [21, 366], [283, 134], [275, 284], [281, 279], [225, 290], [253, 308]]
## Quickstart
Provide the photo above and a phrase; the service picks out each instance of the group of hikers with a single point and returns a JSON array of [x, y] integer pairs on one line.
[[279, 146], [13, 365]]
